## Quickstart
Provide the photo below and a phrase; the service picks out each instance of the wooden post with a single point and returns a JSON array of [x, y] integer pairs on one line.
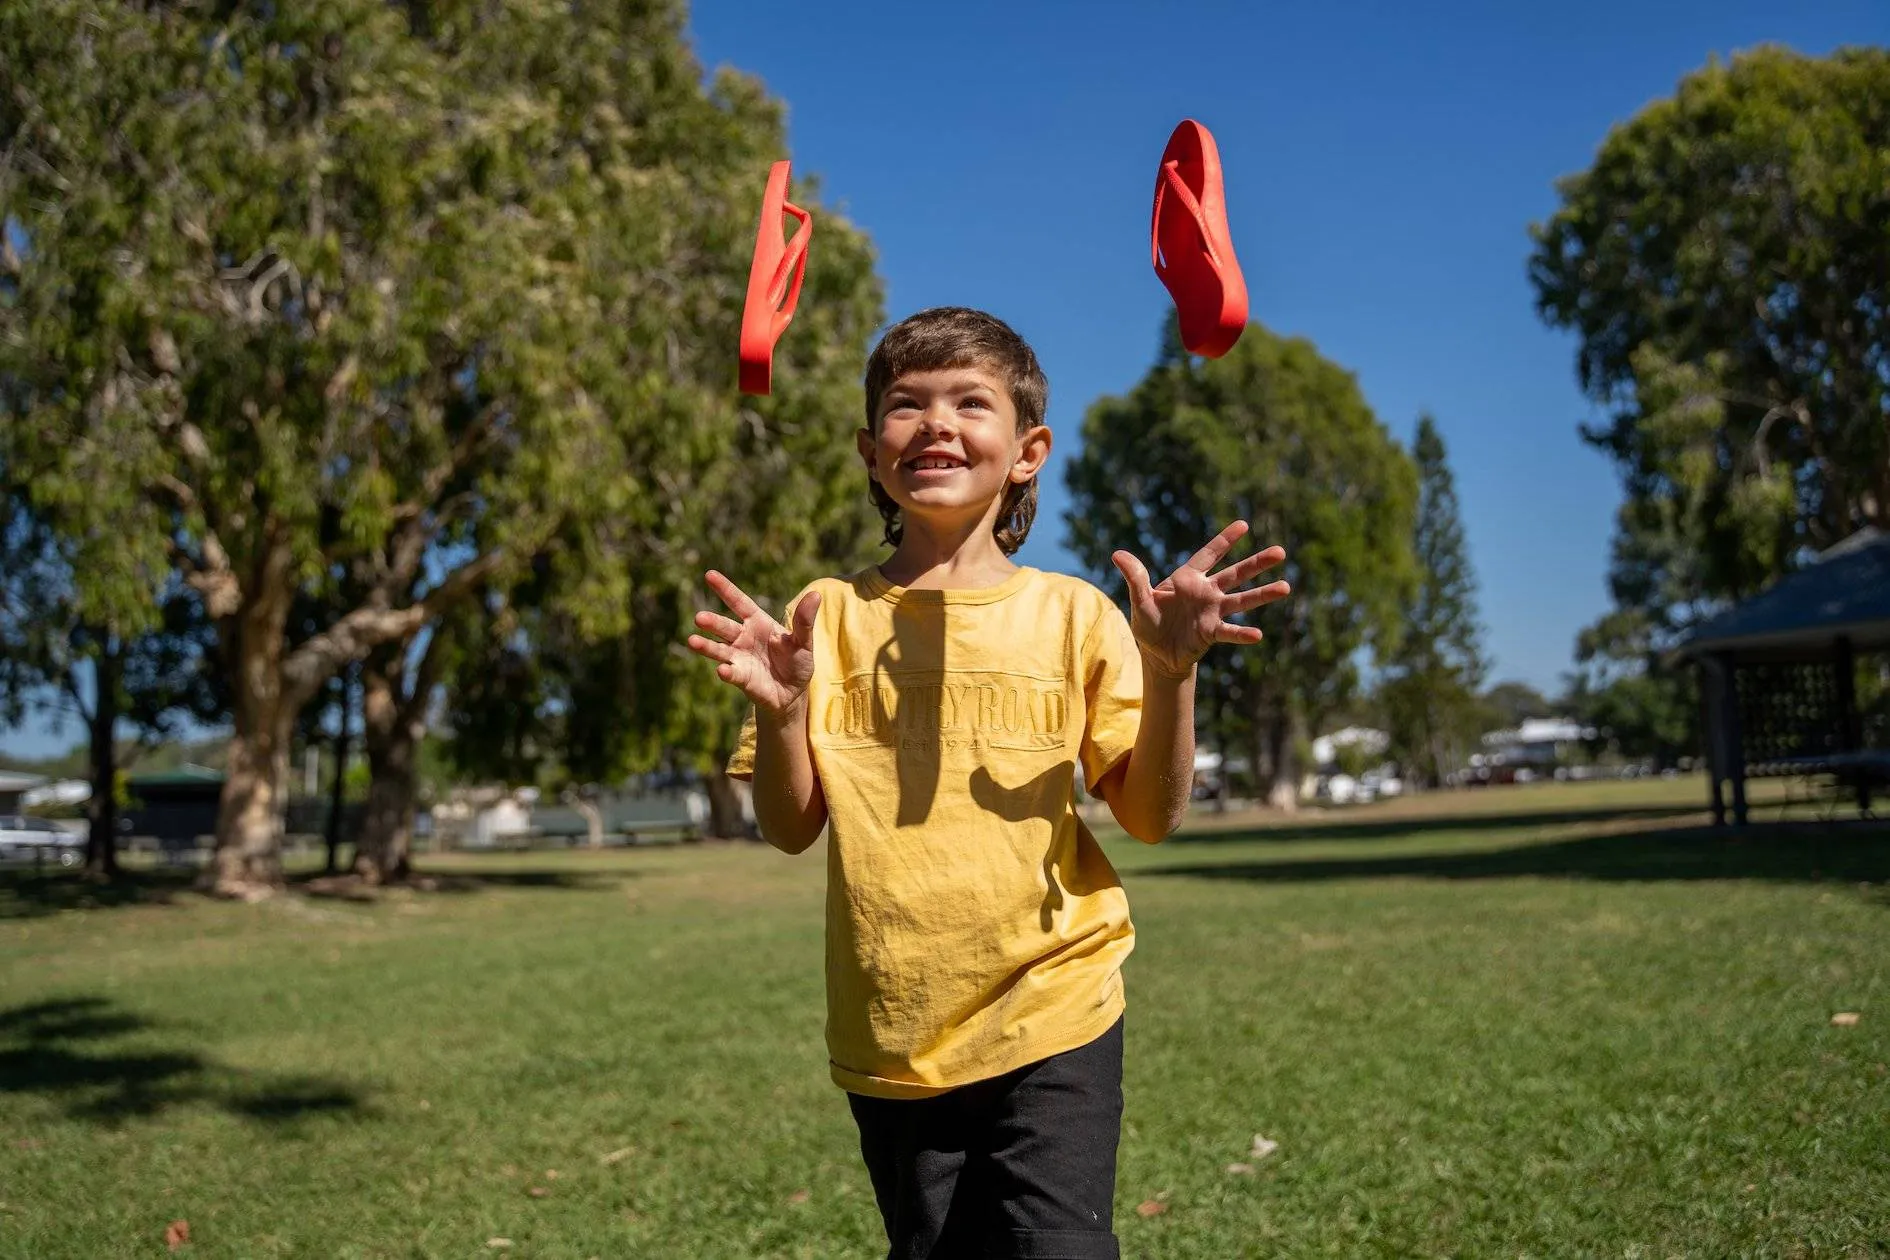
[[1849, 737], [1708, 673], [1735, 743]]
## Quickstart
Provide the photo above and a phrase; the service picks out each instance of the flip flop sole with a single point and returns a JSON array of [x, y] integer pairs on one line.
[[1189, 243], [774, 282]]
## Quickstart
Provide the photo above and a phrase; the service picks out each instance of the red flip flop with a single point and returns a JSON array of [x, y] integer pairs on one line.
[[1189, 245], [774, 282]]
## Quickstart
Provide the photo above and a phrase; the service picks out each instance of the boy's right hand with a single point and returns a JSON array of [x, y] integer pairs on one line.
[[771, 663]]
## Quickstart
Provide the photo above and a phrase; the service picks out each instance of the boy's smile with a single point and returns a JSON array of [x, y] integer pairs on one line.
[[947, 444]]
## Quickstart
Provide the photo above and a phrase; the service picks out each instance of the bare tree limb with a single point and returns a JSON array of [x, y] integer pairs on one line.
[[426, 674], [372, 625]]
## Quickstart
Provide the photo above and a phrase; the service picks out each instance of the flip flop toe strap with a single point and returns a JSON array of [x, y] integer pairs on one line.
[[1171, 178]]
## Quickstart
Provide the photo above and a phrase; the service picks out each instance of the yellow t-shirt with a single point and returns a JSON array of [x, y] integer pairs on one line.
[[973, 923]]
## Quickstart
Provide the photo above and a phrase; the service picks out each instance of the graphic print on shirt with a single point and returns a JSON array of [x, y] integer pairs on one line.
[[943, 709], [930, 710]]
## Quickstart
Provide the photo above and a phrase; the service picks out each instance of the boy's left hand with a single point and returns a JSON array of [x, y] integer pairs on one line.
[[1176, 622]]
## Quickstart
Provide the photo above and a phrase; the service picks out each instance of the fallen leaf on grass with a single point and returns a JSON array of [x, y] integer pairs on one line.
[[1240, 1170], [537, 1192], [498, 1244], [1150, 1207], [799, 1196], [177, 1234], [29, 1144], [1845, 1019], [621, 1153], [551, 1174], [1263, 1147]]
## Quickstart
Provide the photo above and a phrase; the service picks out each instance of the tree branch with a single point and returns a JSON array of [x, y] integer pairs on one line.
[[373, 625], [426, 675]]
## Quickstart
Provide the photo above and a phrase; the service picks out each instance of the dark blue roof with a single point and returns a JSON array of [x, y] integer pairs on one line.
[[1845, 593]]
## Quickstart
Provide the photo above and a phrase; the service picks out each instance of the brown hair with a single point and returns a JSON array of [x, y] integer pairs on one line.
[[955, 337]]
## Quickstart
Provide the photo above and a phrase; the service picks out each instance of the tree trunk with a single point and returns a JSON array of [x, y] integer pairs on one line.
[[725, 808], [1282, 782], [248, 862], [339, 785], [101, 843], [391, 738], [593, 822]]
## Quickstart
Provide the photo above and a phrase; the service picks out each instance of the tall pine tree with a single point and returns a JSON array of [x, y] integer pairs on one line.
[[1431, 683]]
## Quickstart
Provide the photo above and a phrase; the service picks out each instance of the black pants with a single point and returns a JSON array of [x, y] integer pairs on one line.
[[1022, 1166]]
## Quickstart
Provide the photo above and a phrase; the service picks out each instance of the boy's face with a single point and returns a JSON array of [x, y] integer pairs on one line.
[[947, 444]]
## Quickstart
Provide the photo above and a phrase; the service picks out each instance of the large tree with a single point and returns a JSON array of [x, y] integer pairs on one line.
[[1725, 265], [1430, 687], [387, 299], [1279, 435]]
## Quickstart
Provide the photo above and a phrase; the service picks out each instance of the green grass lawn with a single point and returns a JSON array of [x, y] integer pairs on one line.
[[1545, 1021]]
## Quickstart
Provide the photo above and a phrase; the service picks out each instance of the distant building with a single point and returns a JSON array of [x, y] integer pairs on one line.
[[14, 786], [62, 792], [1370, 741], [1537, 744], [175, 808], [1328, 782]]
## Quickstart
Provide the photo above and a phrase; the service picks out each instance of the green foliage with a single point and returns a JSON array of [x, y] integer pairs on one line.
[[1724, 263], [770, 492], [61, 633], [1627, 688], [1353, 759], [1506, 704], [1430, 686], [1278, 435], [409, 304]]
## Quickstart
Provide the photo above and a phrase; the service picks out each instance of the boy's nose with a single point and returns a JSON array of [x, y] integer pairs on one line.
[[939, 418]]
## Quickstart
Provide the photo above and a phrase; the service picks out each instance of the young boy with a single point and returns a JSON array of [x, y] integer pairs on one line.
[[929, 712]]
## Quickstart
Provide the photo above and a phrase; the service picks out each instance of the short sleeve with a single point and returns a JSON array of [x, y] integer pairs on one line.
[[1112, 694], [741, 762]]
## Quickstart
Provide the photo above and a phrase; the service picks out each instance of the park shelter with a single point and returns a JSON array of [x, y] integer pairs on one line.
[[176, 808], [1778, 676]]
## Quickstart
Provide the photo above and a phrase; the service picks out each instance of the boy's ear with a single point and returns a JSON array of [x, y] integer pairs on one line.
[[1033, 450], [863, 439]]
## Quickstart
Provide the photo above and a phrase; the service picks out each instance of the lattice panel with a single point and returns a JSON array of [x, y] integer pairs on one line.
[[1787, 710]]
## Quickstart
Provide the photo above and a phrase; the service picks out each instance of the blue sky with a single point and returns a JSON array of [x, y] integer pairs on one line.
[[1383, 164], [1384, 161]]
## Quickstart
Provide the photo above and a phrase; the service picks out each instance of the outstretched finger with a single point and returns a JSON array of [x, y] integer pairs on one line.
[[1243, 600], [710, 648], [1205, 559], [715, 623], [1135, 573], [1246, 570], [1238, 635], [804, 614], [732, 595]]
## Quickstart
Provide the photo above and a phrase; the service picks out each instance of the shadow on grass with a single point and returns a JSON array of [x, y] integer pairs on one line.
[[28, 895], [1395, 825], [55, 1049], [1781, 852], [349, 888]]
